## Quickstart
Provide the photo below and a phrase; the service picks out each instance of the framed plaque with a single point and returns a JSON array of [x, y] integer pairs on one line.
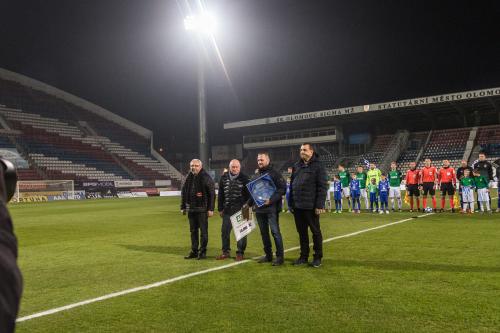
[[261, 189]]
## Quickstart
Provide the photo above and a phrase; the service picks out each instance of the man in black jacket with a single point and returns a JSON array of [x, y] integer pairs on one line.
[[10, 276], [233, 194], [198, 201], [486, 170], [308, 190], [267, 215]]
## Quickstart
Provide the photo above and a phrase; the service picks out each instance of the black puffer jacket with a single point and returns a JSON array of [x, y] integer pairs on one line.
[[10, 276], [308, 185], [485, 169], [233, 194], [275, 200], [198, 193]]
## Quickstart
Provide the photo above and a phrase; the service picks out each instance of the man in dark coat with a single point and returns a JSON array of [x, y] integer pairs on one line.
[[233, 194], [198, 201], [308, 190], [10, 276], [486, 170], [267, 215]]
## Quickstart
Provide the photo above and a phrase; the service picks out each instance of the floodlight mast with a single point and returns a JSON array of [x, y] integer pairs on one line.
[[202, 24]]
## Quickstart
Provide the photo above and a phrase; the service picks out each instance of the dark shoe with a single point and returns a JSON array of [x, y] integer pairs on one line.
[[300, 261], [441, 210], [316, 263], [202, 256], [191, 255], [223, 256], [239, 257], [453, 210], [264, 259], [278, 261]]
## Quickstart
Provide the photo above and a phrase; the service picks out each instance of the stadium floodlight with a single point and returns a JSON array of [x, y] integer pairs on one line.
[[203, 23]]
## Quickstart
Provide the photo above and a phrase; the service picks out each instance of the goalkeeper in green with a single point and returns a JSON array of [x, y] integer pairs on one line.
[[395, 177], [373, 173]]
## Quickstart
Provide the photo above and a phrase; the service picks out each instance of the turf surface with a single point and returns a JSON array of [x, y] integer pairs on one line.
[[438, 273]]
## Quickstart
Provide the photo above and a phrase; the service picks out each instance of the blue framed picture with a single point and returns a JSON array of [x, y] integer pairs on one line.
[[261, 189]]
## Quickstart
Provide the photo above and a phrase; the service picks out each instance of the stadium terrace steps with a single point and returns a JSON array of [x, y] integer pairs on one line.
[[488, 138], [65, 138], [140, 164], [80, 171], [415, 142], [381, 144], [29, 107], [447, 144]]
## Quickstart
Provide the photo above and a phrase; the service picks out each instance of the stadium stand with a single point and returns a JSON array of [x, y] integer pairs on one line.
[[488, 138], [62, 139], [414, 147], [446, 144]]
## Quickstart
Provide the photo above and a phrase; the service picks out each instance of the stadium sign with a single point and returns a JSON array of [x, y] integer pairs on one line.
[[101, 184], [128, 183], [165, 182], [93, 195], [124, 194], [459, 96], [34, 198], [139, 194]]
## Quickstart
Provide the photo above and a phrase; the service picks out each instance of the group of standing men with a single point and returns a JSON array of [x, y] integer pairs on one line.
[[306, 199]]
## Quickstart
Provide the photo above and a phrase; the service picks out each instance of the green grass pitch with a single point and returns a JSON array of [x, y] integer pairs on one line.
[[440, 273]]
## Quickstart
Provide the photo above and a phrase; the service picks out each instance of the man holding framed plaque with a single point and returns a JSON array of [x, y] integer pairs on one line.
[[266, 189], [309, 186]]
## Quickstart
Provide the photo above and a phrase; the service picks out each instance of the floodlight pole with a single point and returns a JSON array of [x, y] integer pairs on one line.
[[202, 110]]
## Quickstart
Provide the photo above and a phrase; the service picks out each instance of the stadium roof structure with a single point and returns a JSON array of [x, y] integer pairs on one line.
[[484, 101]]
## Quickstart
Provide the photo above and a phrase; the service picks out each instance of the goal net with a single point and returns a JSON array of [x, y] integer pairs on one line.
[[44, 190]]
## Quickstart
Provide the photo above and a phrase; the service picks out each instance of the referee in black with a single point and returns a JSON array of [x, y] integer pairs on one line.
[[308, 189]]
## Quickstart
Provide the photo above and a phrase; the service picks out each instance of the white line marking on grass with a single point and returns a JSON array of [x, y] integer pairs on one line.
[[186, 276]]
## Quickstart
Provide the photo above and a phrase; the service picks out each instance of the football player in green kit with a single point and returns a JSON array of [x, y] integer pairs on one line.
[[344, 180], [395, 177], [361, 176]]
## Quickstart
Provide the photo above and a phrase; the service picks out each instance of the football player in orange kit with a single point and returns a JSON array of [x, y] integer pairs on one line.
[[412, 181], [428, 180], [448, 180]]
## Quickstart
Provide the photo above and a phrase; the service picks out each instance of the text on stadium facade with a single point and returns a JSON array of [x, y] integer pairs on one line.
[[460, 96], [439, 99]]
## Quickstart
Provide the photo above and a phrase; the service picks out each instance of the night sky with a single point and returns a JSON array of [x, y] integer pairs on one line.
[[134, 57]]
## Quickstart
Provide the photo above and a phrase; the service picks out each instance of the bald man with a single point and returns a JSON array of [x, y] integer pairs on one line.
[[233, 194], [198, 201]]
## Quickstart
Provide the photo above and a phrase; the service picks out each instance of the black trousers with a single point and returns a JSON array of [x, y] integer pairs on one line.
[[226, 236], [198, 224], [304, 219]]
